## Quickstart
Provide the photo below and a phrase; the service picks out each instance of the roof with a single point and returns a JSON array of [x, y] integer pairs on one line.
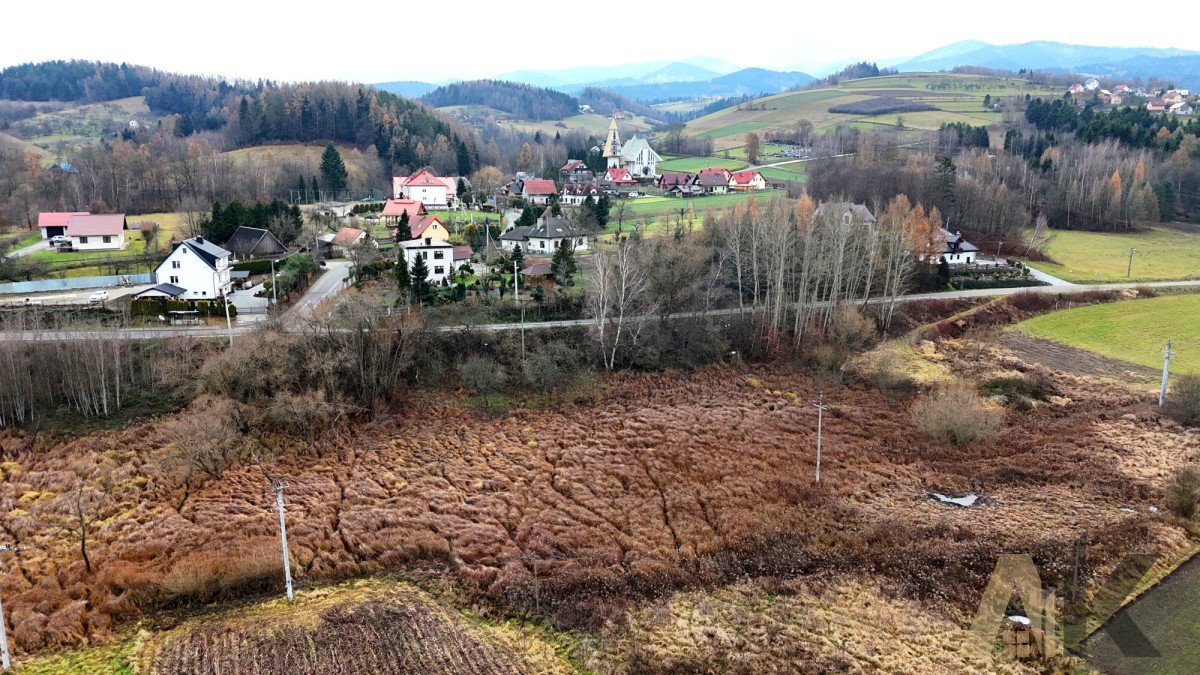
[[537, 269], [462, 253], [637, 144], [745, 177], [714, 169], [956, 244], [347, 236], [57, 218], [539, 186], [516, 234], [239, 274], [249, 240], [207, 251], [417, 227], [857, 211], [675, 178], [711, 179], [554, 228], [423, 178], [397, 207], [87, 225], [427, 242], [572, 165], [618, 175], [581, 189], [170, 290]]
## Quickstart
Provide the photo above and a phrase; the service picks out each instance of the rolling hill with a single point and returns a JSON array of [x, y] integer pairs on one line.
[[525, 101], [954, 97], [1043, 55], [741, 83], [406, 88], [632, 72]]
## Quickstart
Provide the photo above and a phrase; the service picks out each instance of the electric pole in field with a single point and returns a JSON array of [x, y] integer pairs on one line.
[[287, 566], [517, 297], [820, 406], [1129, 269], [5, 661], [1167, 354]]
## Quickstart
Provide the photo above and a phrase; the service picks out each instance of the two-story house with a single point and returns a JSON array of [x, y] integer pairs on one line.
[[198, 266], [438, 256]]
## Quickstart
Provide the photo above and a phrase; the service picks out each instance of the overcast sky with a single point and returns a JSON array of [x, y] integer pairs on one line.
[[438, 40]]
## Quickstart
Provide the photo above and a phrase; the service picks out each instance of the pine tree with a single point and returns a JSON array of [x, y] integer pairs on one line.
[[333, 170], [943, 273], [518, 256], [403, 280], [419, 279], [301, 188], [316, 189], [403, 228], [562, 265], [461, 188]]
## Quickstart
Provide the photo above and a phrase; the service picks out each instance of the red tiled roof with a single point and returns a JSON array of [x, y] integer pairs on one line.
[[423, 178], [619, 175], [744, 177], [715, 170], [95, 226], [534, 186], [347, 236], [669, 178], [572, 165], [418, 226], [57, 218], [396, 207]]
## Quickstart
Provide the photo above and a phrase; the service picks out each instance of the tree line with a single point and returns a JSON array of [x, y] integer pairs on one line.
[[527, 102]]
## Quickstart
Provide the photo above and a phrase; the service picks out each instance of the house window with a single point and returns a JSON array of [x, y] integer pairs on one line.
[[83, 240], [174, 279], [542, 244], [107, 239], [203, 292], [438, 255], [439, 270], [175, 264]]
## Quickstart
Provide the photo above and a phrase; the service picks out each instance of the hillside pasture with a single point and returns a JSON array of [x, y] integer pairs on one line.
[[955, 97], [76, 126], [694, 164], [1130, 330], [1160, 254], [697, 207]]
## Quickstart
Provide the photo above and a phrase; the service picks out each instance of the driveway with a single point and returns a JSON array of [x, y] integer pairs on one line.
[[331, 282], [43, 245], [1046, 278], [251, 309]]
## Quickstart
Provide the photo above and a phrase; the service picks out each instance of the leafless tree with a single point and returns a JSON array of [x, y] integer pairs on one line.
[[617, 300]]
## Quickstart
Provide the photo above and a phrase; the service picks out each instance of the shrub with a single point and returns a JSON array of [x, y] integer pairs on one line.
[[483, 375], [1183, 492], [957, 415], [208, 574], [551, 367], [1184, 402], [850, 330]]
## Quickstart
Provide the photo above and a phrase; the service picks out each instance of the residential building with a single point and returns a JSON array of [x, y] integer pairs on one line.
[[550, 231], [1181, 108], [575, 171], [747, 181], [253, 242], [574, 194], [198, 266], [435, 192], [1172, 97], [1156, 105], [958, 251], [513, 237], [619, 176], [635, 155], [97, 232], [713, 182], [538, 191], [671, 178], [857, 214], [54, 223], [438, 256], [161, 291], [393, 209], [346, 239]]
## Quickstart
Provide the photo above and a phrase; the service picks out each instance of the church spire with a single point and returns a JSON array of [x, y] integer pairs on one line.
[[612, 145]]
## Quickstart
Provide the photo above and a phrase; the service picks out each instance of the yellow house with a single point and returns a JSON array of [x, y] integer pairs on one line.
[[428, 227]]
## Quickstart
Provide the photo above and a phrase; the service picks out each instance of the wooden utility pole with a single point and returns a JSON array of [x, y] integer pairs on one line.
[[1167, 354], [1129, 269], [820, 406]]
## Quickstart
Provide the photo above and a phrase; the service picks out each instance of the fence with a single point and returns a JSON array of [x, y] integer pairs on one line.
[[44, 285]]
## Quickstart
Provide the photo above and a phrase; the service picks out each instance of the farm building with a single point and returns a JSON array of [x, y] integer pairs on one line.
[[253, 242]]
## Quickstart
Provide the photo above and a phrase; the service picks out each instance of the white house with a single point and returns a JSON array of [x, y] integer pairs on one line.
[[438, 256], [545, 237], [958, 251], [96, 232], [513, 237], [198, 266], [435, 192], [538, 190], [635, 155], [346, 239], [747, 181]]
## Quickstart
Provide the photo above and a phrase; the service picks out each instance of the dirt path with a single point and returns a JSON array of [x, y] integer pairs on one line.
[[1168, 616], [1062, 358]]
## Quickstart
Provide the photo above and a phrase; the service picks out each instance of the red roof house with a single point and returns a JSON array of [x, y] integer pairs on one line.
[[394, 208], [54, 223], [538, 190], [618, 175], [748, 181]]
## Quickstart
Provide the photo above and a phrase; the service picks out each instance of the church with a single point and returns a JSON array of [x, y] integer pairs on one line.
[[635, 155]]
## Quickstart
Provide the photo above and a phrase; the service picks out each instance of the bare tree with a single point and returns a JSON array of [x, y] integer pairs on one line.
[[617, 300]]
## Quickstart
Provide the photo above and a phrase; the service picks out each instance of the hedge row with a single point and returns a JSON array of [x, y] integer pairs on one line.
[[156, 306]]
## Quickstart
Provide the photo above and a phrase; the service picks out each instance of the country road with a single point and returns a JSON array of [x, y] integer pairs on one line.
[[304, 309]]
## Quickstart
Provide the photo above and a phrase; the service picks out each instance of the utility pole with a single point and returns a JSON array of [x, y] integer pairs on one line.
[[274, 286], [228, 321], [820, 406], [287, 566], [1167, 354], [5, 660], [517, 297], [1129, 270]]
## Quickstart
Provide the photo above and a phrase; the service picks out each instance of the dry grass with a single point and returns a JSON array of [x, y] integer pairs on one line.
[[666, 483]]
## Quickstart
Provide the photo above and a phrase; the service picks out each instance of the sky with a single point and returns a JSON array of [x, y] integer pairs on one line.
[[375, 41]]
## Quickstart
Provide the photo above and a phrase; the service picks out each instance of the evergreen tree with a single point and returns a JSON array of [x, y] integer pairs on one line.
[[403, 280], [518, 256], [316, 189], [943, 273], [403, 228], [461, 190], [301, 188], [419, 280], [333, 170], [562, 265]]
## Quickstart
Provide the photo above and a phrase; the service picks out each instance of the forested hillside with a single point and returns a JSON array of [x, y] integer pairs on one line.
[[521, 100]]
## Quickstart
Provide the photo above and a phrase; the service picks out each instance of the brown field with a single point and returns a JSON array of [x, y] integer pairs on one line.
[[583, 513]]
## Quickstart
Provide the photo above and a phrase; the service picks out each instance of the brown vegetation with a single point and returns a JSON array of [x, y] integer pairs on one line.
[[956, 415]]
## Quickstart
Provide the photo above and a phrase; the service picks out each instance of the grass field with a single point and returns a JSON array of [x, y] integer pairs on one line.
[[786, 172], [694, 164], [73, 127], [665, 206], [8, 142], [1130, 330], [958, 97], [1089, 257]]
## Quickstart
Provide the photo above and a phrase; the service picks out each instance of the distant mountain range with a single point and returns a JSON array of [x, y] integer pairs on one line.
[[407, 88], [750, 81], [696, 68], [1163, 62]]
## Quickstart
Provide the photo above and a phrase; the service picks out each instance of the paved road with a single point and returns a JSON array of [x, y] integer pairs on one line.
[[1046, 278], [43, 245], [79, 296], [331, 282], [318, 295]]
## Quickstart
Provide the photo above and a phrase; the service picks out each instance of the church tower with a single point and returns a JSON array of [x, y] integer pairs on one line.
[[612, 145]]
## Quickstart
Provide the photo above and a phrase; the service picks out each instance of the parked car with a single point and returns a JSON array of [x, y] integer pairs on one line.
[[98, 296], [59, 239]]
